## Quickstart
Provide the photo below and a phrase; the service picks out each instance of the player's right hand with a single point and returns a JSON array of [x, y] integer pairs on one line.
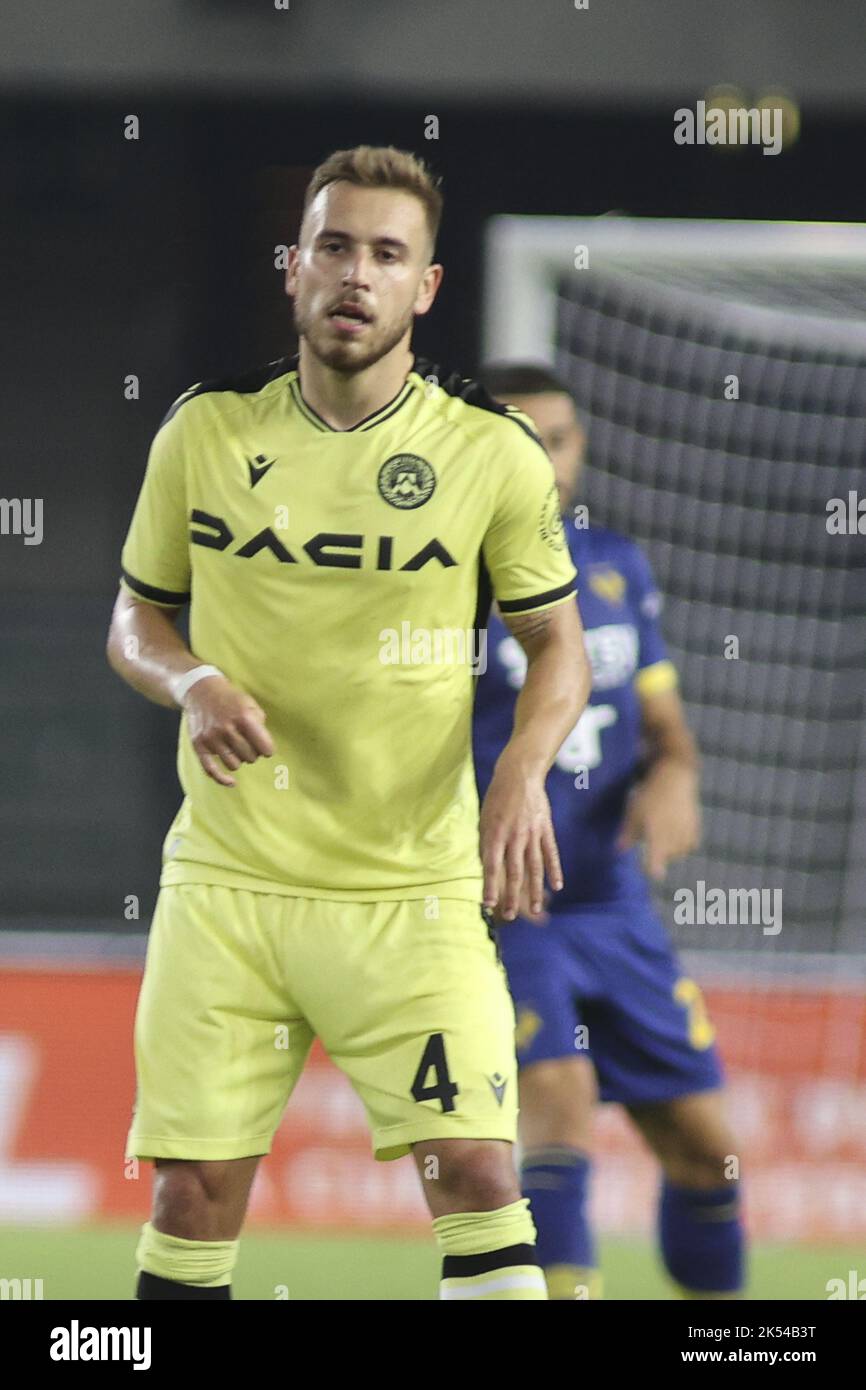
[[226, 727]]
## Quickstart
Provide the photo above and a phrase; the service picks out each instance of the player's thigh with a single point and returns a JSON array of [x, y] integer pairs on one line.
[[545, 984], [557, 1103], [557, 1086], [650, 1034], [202, 1200], [219, 1043], [414, 1008], [691, 1137]]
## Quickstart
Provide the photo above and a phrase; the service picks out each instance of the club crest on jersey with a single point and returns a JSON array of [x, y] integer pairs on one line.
[[608, 583], [406, 481], [550, 526]]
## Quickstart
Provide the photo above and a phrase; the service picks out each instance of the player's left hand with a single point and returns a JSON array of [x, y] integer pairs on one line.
[[664, 813], [525, 911], [518, 845]]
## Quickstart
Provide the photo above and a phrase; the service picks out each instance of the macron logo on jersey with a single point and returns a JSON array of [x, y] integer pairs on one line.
[[258, 468]]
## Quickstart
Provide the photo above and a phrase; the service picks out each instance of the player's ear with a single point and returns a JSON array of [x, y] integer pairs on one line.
[[290, 283], [428, 288]]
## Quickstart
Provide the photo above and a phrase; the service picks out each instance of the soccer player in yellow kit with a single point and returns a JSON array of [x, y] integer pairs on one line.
[[323, 876]]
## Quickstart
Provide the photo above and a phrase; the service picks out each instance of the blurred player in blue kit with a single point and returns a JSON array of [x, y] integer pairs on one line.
[[604, 1009]]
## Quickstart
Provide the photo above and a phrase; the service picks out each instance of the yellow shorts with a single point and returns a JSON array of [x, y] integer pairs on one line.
[[414, 1008]]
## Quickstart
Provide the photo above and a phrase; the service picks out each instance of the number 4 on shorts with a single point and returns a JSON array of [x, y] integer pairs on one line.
[[444, 1089]]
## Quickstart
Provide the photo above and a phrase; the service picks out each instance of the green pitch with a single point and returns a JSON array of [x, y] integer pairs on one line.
[[97, 1263]]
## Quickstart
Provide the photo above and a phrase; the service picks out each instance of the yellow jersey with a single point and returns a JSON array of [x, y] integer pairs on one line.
[[342, 578]]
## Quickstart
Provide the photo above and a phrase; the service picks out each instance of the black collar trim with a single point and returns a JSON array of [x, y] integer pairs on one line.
[[369, 422]]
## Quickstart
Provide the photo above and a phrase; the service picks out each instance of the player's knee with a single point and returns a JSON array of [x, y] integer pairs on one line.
[[703, 1162], [193, 1200], [476, 1176], [180, 1202]]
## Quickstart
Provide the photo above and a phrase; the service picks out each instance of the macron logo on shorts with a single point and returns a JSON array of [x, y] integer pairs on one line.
[[497, 1086]]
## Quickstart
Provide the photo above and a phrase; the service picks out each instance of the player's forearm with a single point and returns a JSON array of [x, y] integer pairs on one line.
[[146, 650], [553, 697], [673, 771], [672, 775], [671, 744], [680, 755]]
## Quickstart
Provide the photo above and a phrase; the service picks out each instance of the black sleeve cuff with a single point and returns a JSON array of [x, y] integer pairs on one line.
[[149, 591], [525, 605]]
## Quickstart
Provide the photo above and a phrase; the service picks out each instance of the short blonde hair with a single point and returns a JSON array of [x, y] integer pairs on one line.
[[381, 166]]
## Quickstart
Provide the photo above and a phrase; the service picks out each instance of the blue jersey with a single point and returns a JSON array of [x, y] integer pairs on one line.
[[599, 761]]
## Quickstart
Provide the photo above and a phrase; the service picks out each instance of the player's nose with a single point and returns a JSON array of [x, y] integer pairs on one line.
[[357, 273]]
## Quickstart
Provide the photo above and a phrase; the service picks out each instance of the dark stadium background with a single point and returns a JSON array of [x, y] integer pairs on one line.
[[154, 257]]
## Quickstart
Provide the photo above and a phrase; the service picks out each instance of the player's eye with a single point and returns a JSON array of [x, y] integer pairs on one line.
[[386, 255]]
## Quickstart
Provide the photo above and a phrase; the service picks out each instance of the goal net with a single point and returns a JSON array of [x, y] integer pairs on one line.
[[720, 369]]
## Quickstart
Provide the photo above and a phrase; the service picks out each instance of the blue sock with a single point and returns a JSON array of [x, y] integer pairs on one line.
[[555, 1179], [702, 1239]]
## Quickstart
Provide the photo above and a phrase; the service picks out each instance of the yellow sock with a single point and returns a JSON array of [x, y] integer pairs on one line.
[[208, 1264], [490, 1255]]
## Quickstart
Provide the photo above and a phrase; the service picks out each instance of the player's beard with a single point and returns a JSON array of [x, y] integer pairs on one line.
[[345, 357]]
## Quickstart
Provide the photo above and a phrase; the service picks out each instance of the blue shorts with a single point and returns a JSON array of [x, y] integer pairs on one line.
[[605, 983]]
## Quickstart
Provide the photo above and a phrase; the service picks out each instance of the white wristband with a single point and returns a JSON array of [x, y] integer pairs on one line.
[[185, 683]]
